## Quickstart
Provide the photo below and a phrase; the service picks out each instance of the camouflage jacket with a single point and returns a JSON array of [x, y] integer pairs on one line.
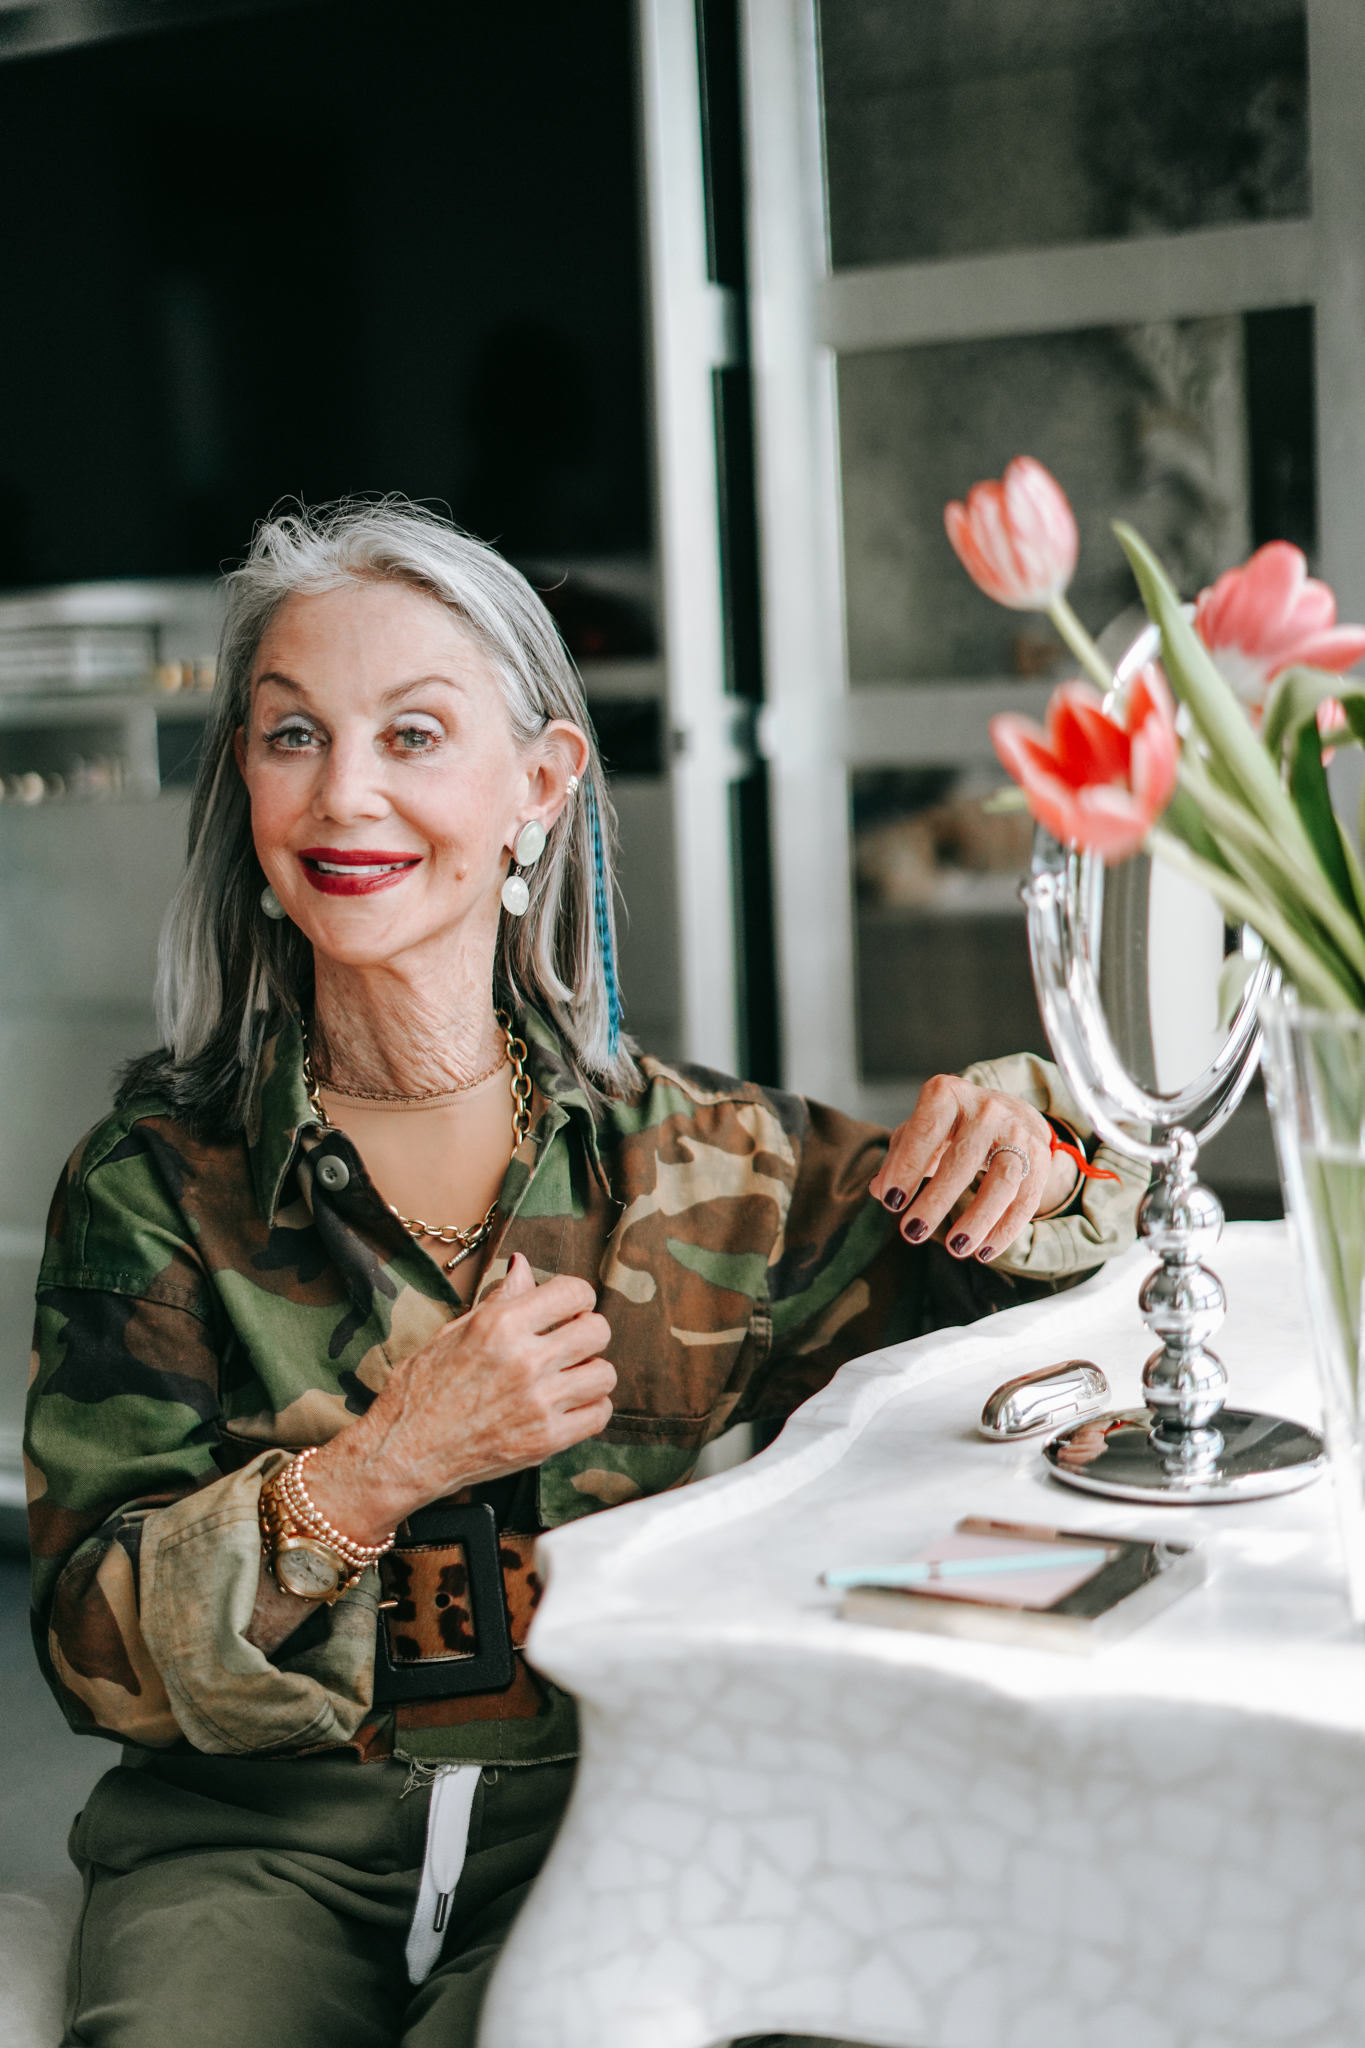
[[205, 1306]]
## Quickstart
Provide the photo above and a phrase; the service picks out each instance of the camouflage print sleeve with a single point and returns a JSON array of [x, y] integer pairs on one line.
[[846, 1284], [201, 1561], [121, 1412], [831, 1288], [128, 1509], [86, 1625]]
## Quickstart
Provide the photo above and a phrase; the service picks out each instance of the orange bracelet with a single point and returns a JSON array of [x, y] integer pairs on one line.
[[1079, 1160]]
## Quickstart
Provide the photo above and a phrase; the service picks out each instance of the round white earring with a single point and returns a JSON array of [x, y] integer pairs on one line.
[[516, 897], [573, 785], [271, 904]]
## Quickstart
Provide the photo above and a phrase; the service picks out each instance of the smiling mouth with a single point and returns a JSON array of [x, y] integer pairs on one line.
[[332, 867], [339, 871]]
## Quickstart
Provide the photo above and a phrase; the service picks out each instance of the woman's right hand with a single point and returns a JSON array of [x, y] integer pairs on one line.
[[506, 1386]]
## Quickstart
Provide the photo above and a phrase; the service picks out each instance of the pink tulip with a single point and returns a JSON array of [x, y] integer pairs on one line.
[[1016, 539], [1268, 616], [1089, 780]]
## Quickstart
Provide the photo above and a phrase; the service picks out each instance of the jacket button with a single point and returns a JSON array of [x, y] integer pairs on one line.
[[334, 1173]]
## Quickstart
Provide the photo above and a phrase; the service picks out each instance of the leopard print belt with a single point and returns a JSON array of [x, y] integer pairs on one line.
[[457, 1600]]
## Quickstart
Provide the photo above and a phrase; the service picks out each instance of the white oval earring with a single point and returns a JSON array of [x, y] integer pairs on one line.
[[271, 904], [530, 843]]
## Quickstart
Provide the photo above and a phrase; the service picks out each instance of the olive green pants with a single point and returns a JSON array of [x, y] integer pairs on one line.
[[238, 1904]]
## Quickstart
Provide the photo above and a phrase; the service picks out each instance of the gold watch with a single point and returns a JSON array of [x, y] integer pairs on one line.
[[307, 1556]]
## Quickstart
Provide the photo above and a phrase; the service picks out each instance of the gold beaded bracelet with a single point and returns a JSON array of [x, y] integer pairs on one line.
[[311, 1519]]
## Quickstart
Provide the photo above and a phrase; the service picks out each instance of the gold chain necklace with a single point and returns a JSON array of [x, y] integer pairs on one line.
[[468, 1240]]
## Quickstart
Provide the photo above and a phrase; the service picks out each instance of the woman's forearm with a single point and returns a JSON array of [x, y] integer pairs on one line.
[[362, 1483]]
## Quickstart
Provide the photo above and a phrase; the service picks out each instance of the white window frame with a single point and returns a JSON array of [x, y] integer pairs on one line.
[[692, 334]]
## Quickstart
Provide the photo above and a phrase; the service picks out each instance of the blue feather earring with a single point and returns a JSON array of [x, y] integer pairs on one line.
[[604, 930]]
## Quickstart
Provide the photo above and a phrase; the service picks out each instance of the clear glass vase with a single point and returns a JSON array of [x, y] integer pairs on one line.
[[1315, 1084]]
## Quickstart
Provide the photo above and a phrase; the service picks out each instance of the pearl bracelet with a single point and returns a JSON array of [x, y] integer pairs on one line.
[[311, 1519]]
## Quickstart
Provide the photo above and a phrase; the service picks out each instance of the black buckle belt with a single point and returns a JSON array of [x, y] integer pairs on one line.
[[443, 1624]]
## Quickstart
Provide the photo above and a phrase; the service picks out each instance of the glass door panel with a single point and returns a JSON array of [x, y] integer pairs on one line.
[[943, 964], [963, 127], [1143, 423], [1180, 427]]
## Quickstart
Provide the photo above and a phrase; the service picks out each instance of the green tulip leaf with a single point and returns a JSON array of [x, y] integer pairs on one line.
[[1303, 893], [1353, 869], [1294, 699], [1184, 817], [1353, 703], [1308, 787], [1311, 974]]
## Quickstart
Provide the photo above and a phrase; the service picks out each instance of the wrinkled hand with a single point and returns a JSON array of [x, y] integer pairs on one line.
[[517, 1379], [957, 1132]]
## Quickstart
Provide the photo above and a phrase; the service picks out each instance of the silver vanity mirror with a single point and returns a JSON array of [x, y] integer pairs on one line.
[[1131, 965]]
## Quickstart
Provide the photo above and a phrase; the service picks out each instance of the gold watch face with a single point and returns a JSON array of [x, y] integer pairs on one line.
[[306, 1568]]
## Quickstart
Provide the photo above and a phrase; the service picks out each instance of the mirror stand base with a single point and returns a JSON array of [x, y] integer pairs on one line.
[[1239, 1456]]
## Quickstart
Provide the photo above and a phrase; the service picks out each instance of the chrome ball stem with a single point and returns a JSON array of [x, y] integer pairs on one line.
[[1183, 1304]]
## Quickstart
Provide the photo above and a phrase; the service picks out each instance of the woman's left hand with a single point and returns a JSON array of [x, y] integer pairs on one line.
[[957, 1132]]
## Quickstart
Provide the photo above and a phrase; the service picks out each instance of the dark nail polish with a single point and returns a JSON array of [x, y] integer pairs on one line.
[[959, 1243], [986, 1252], [895, 1199], [915, 1229]]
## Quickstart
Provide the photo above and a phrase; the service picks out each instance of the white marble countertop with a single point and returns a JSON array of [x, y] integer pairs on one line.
[[784, 1821]]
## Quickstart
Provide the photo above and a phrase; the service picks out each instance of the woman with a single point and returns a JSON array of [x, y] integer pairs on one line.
[[397, 1196]]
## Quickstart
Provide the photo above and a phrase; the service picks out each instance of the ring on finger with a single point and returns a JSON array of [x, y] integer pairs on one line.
[[1018, 1152]]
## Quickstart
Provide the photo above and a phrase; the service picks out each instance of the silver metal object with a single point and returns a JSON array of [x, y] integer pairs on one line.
[[1041, 1402], [1018, 1152], [1185, 1447], [1260, 1455]]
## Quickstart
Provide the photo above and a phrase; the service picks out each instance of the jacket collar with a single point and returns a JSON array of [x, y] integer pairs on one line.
[[280, 1112], [554, 1076]]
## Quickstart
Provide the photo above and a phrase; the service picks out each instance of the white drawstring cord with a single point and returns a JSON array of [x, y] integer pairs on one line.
[[452, 1798]]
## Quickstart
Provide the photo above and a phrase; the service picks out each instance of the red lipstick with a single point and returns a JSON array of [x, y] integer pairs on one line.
[[354, 870]]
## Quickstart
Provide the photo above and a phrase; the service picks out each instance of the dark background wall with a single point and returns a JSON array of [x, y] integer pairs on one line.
[[314, 249]]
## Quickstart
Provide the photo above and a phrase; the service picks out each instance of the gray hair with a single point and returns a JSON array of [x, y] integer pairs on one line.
[[227, 973]]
